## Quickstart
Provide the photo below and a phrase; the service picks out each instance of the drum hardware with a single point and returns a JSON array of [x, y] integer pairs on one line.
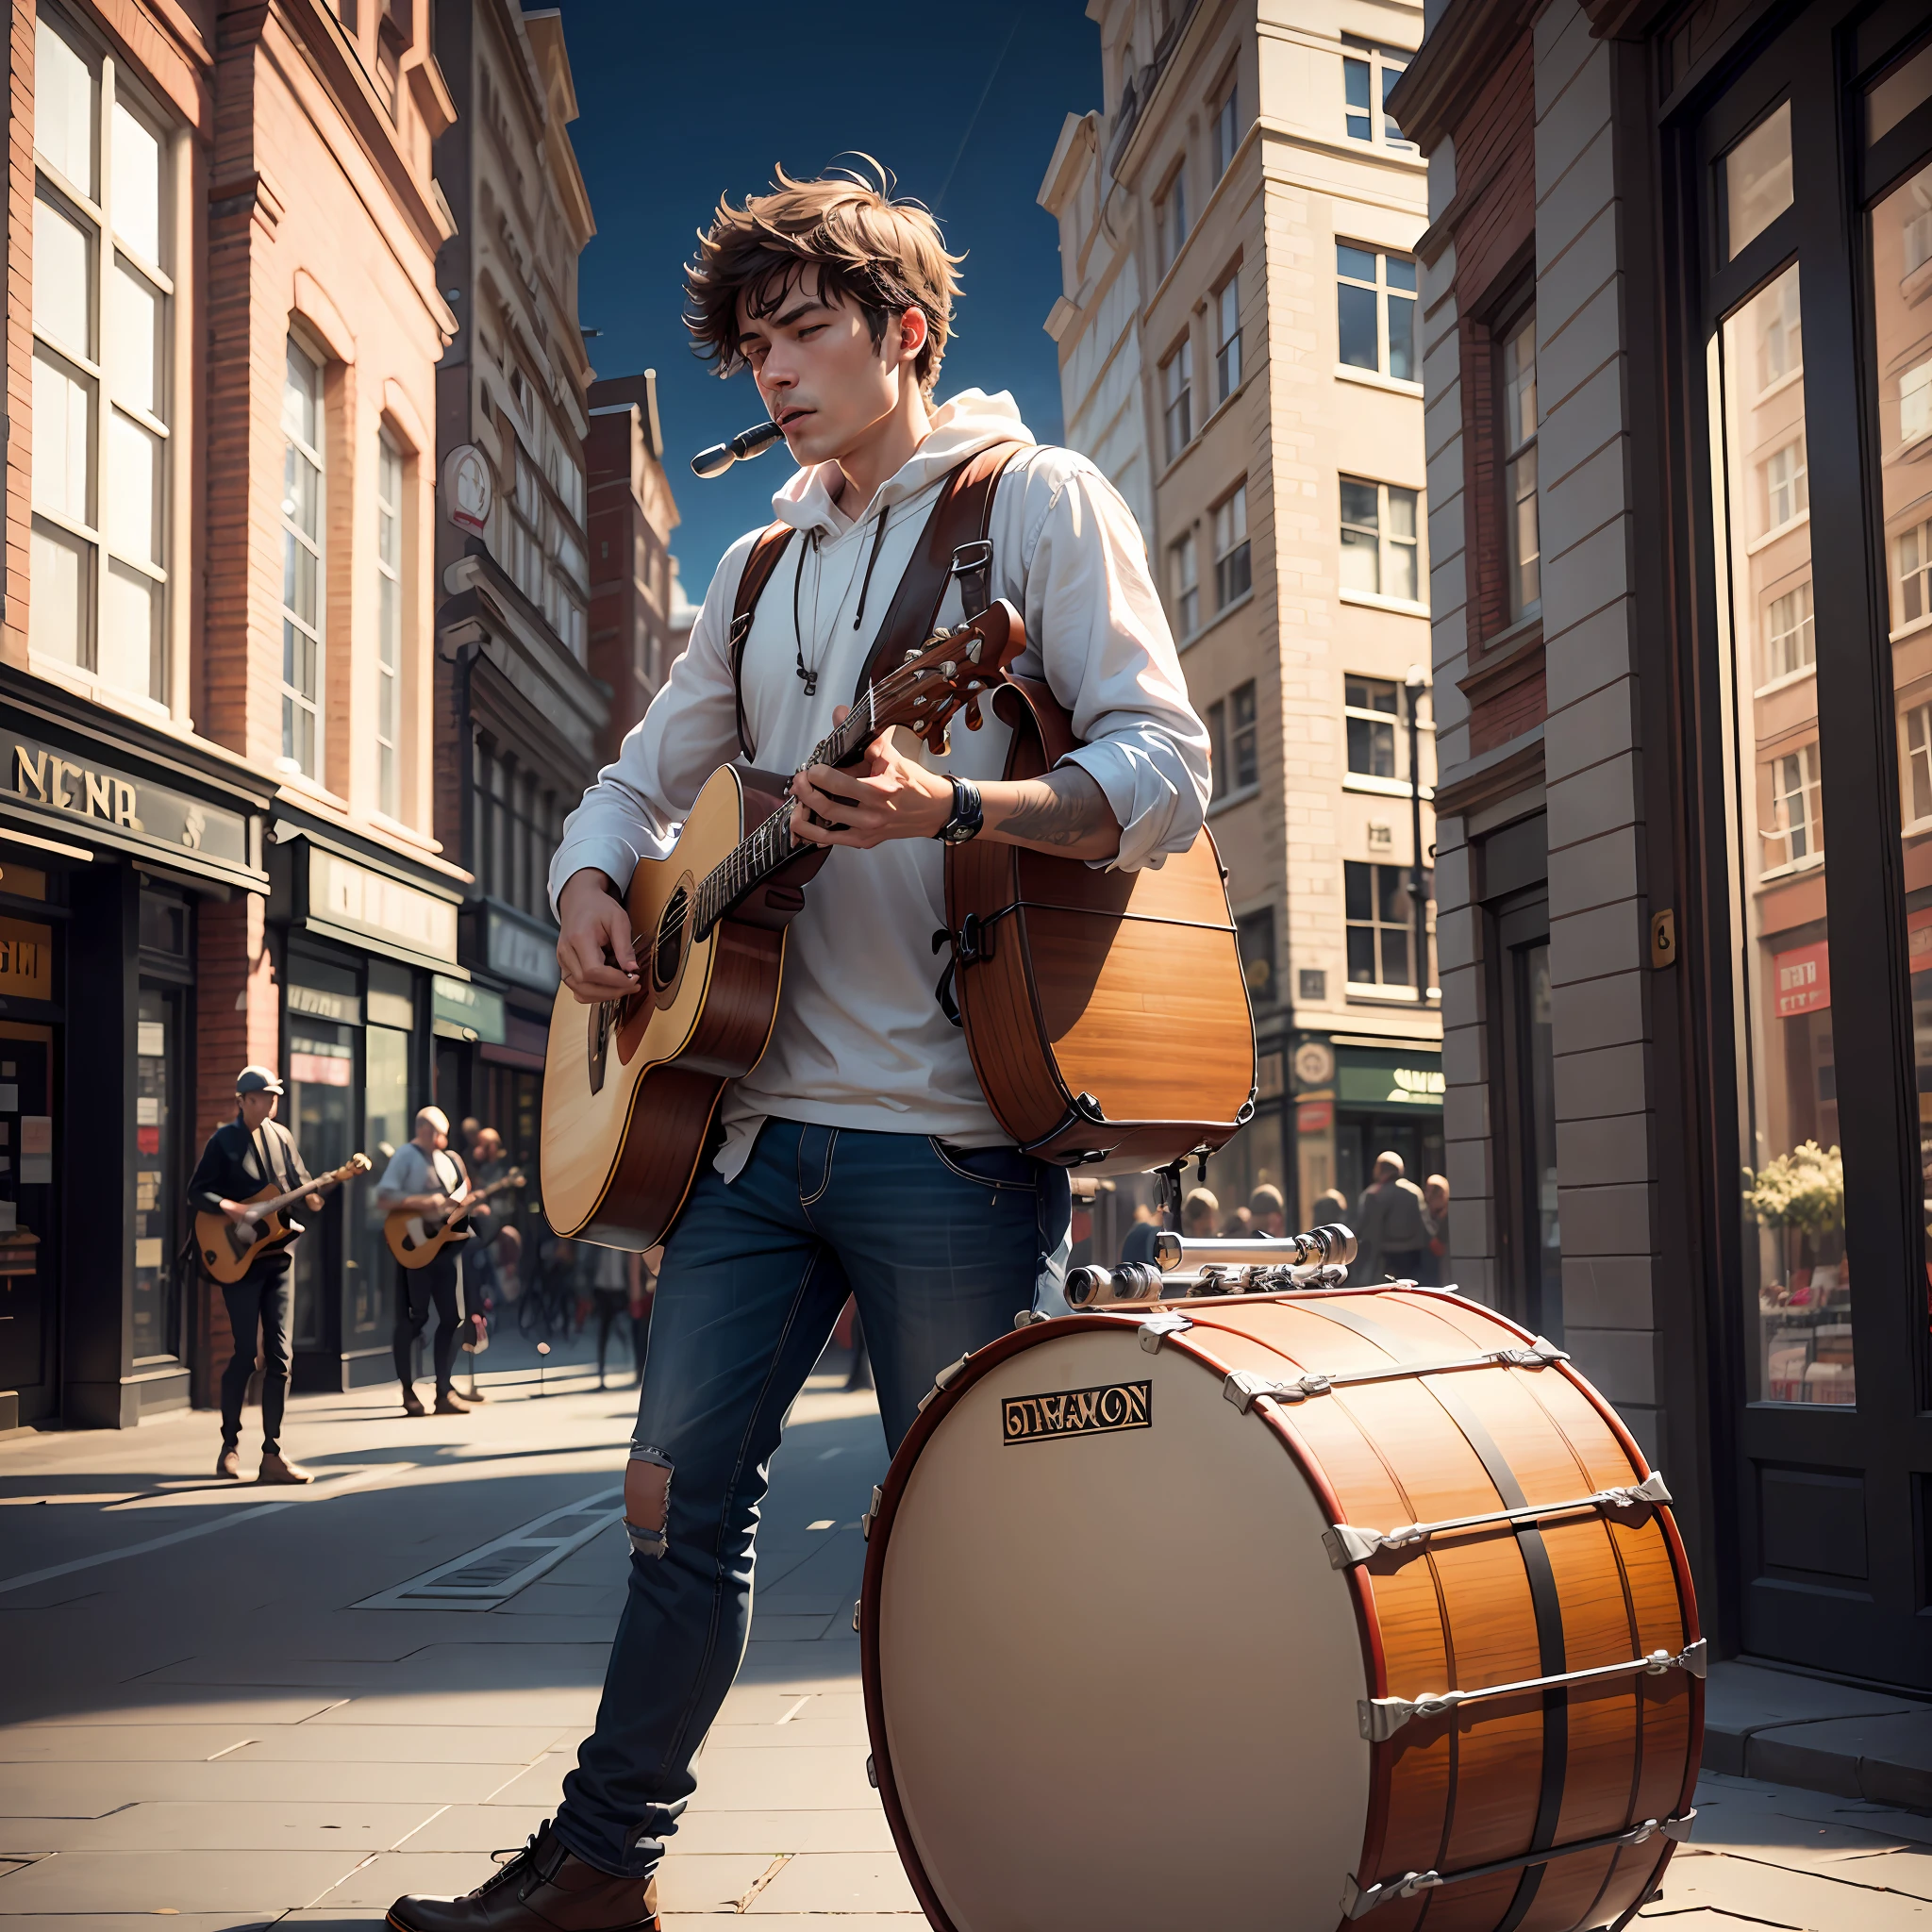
[[1157, 1328], [1244, 1389], [944, 1379], [1358, 1901], [1346, 1544], [1282, 1278], [872, 1772], [865, 1521], [1382, 1716], [1319, 1248]]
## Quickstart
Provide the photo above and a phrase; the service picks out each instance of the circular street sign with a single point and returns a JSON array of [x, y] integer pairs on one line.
[[466, 488], [1314, 1063]]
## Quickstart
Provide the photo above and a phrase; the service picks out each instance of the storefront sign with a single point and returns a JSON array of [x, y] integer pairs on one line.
[[517, 952], [345, 1009], [90, 790], [369, 904], [466, 488], [463, 1011], [26, 964], [1801, 980], [1314, 1063], [1393, 1079], [1314, 1116]]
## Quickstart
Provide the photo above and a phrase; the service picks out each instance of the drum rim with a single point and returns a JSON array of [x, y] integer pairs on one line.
[[979, 1362]]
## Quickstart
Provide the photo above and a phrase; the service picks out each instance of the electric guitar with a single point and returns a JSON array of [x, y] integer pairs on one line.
[[630, 1086], [229, 1249], [416, 1239]]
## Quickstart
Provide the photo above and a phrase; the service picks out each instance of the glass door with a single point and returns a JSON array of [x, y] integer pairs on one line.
[[159, 1203], [320, 1112]]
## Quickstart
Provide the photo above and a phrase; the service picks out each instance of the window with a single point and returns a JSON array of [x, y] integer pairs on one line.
[[1780, 340], [388, 618], [1184, 578], [1254, 939], [1171, 217], [1232, 737], [302, 485], [1233, 570], [1227, 339], [1787, 487], [1367, 77], [1794, 831], [1915, 403], [1918, 789], [1226, 130], [1380, 915], [1370, 706], [1518, 469], [1378, 541], [1913, 573], [101, 303], [1789, 642], [1177, 399], [1375, 312]]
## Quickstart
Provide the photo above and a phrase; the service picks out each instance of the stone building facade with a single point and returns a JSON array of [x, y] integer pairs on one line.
[[1678, 371], [1239, 352]]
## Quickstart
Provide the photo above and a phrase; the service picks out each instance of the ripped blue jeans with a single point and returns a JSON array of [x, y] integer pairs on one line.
[[942, 1248]]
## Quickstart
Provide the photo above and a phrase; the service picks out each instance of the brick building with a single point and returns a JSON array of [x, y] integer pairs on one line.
[[216, 837], [1237, 347], [1681, 623]]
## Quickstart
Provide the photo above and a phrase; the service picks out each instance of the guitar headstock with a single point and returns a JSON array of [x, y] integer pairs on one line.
[[359, 1163], [514, 1178], [952, 672]]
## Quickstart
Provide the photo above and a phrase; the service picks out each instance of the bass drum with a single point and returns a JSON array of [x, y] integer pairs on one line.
[[1279, 1612]]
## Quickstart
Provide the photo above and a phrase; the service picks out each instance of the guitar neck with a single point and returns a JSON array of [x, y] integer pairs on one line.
[[318, 1186]]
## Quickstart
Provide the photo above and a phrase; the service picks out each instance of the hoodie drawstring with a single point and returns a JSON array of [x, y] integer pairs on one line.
[[877, 543]]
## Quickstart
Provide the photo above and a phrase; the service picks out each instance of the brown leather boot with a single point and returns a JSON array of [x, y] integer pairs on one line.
[[229, 1464], [542, 1889], [279, 1469]]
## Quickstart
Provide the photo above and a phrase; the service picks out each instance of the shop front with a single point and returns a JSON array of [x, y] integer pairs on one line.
[[364, 940], [1356, 1097], [122, 850]]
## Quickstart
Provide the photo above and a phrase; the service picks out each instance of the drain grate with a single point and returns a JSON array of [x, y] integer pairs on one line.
[[481, 1579]]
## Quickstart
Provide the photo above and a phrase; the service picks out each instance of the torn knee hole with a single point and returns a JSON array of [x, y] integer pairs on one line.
[[646, 1503]]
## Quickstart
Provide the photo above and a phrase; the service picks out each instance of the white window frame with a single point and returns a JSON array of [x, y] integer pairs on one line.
[[112, 92], [1518, 445], [1184, 582], [1782, 661], [1233, 550], [1796, 481], [1232, 738], [1227, 127], [1381, 66], [1383, 291], [1170, 217], [1912, 576], [1782, 829], [1227, 330], [1376, 923], [1370, 714], [296, 701], [1387, 547], [1915, 749], [390, 497], [1177, 398]]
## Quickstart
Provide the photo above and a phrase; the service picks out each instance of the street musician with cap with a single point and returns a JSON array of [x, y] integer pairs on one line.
[[242, 1157]]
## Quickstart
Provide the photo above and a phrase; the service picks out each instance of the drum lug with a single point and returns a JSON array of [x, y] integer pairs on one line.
[[945, 1378], [857, 1603], [871, 1516], [1157, 1328], [872, 1772]]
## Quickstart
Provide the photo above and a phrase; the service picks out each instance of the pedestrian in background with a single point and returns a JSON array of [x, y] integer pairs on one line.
[[1436, 1204], [611, 1294], [1331, 1206], [1200, 1215], [1269, 1210], [427, 1176], [1391, 1226]]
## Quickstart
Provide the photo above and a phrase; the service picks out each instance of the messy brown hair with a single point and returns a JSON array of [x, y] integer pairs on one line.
[[845, 235]]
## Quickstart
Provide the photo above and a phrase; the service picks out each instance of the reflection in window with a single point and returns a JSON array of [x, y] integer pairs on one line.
[[1912, 579], [1177, 398], [1185, 577], [1918, 775], [1379, 908], [1758, 179], [1379, 541], [1518, 469], [1792, 1193], [1780, 340], [1233, 562]]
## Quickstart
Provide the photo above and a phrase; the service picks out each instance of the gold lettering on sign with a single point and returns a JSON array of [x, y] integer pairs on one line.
[[100, 795], [30, 773], [43, 776], [26, 960]]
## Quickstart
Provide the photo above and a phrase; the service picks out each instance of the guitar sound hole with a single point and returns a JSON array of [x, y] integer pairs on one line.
[[669, 947]]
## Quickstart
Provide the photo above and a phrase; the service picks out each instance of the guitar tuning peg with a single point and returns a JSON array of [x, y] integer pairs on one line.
[[911, 654]]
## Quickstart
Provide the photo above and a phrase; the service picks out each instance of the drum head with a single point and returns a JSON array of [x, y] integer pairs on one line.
[[1116, 1672]]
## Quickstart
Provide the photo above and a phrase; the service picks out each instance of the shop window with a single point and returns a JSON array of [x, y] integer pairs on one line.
[[158, 1175], [1379, 909], [320, 1111], [1376, 297], [1370, 707], [1185, 584], [1233, 568], [1255, 935], [1368, 78], [1177, 398], [302, 562], [1379, 541], [389, 621], [1227, 339], [101, 304], [1231, 737], [1521, 518], [1226, 129]]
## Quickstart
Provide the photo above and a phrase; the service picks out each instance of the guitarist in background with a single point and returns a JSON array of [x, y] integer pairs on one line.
[[426, 1175], [243, 1155], [861, 1153]]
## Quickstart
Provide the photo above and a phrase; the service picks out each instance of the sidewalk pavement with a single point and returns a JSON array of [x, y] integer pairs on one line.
[[238, 1706]]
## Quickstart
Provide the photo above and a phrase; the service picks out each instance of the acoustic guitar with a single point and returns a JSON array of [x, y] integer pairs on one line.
[[229, 1249], [630, 1086], [416, 1239]]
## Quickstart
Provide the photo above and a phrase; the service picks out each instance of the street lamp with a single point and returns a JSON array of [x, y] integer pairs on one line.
[[1414, 684]]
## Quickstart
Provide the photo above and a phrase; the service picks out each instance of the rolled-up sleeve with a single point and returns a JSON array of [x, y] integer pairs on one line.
[[640, 799], [1110, 660]]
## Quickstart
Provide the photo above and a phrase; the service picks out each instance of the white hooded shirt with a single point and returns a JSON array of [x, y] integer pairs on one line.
[[860, 1041]]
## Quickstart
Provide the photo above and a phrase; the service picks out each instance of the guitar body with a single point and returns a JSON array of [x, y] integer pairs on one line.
[[416, 1242], [630, 1087], [217, 1239]]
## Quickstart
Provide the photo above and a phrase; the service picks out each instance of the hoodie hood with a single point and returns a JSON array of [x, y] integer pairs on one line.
[[968, 422]]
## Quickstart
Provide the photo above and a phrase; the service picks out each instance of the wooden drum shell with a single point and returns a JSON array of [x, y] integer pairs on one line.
[[1492, 1780]]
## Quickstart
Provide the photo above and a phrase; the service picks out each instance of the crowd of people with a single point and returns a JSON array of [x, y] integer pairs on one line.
[[1401, 1230]]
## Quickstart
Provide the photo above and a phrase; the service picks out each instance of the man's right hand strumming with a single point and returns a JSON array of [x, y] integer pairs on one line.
[[595, 928]]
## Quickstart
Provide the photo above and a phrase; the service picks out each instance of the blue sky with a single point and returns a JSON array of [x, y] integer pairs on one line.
[[680, 104]]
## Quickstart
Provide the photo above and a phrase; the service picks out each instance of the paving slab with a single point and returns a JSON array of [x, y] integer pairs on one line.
[[168, 1826], [479, 1829], [54, 1743], [838, 1882], [253, 1882], [90, 1791], [1775, 1895], [1742, 1700], [138, 1922], [771, 1833], [712, 1882], [413, 1744]]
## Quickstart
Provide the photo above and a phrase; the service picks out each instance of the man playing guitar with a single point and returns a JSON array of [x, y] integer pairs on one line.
[[859, 1154]]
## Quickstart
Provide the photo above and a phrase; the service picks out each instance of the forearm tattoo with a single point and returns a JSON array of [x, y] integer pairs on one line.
[[1064, 810]]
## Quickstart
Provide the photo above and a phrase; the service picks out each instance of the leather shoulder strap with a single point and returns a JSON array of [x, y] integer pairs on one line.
[[771, 545], [955, 542]]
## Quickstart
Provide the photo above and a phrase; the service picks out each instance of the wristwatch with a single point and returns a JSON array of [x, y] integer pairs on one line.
[[968, 815]]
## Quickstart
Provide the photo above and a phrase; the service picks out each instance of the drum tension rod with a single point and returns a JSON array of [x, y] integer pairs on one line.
[[1349, 1545], [1358, 1900], [1382, 1716], [1244, 1389]]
